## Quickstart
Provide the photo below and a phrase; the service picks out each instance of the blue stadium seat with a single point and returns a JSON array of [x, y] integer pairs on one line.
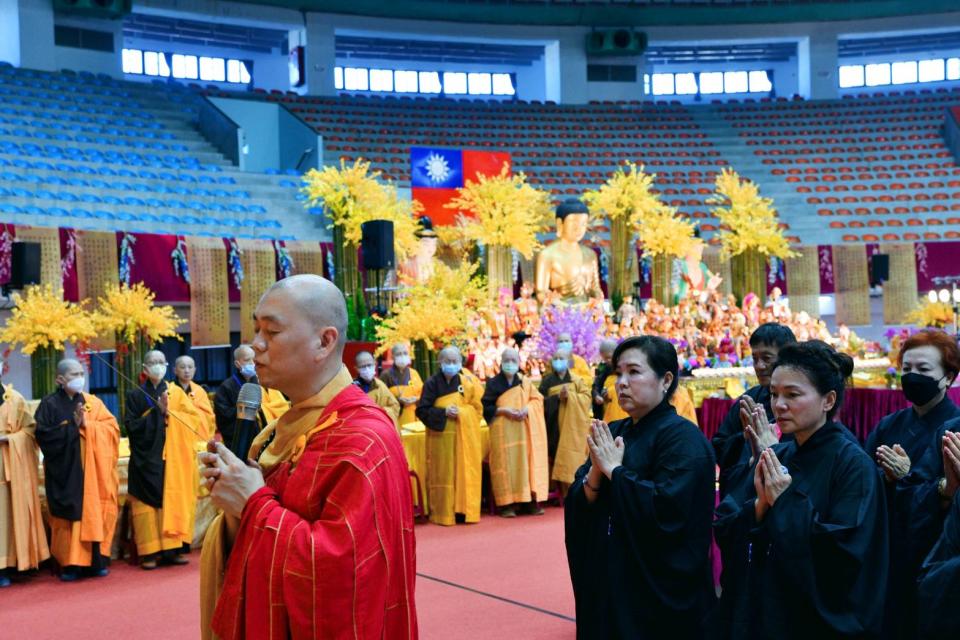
[[9, 208]]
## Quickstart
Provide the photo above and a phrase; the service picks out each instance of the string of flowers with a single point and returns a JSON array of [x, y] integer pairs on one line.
[[284, 261], [131, 314], [42, 319], [69, 259], [126, 257], [6, 250], [181, 267], [235, 262], [747, 220]]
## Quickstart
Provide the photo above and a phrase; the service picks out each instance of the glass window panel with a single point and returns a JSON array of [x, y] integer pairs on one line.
[[430, 82], [931, 70], [184, 66], [685, 83], [405, 81], [662, 84], [503, 85], [355, 79], [244, 73], [381, 80], [953, 68], [711, 82], [132, 61], [233, 71], [877, 74], [479, 84], [151, 66], [454, 83], [760, 82], [735, 82], [163, 67], [851, 75], [338, 77], [904, 72], [646, 84], [211, 69]]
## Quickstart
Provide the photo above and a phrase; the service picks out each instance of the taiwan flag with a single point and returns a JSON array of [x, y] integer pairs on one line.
[[435, 175]]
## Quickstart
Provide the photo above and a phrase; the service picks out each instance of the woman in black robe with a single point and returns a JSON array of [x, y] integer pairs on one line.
[[809, 533], [929, 361], [638, 514], [939, 588]]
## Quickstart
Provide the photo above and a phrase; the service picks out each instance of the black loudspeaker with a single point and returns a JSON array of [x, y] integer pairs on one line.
[[376, 244], [24, 264], [879, 268]]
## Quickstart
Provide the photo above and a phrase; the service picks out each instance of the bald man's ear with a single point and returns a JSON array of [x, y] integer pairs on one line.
[[329, 338]]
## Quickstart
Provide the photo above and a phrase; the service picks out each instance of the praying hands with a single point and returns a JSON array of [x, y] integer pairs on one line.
[[231, 481], [606, 452]]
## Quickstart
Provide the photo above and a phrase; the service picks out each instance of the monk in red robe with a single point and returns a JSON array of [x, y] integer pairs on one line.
[[316, 535]]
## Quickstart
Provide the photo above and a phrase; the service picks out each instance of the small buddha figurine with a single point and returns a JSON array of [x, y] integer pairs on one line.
[[566, 267], [627, 310], [695, 277], [420, 268]]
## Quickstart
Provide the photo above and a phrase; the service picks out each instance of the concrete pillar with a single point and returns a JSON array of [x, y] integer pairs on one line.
[[321, 55], [817, 66], [37, 50], [10, 32]]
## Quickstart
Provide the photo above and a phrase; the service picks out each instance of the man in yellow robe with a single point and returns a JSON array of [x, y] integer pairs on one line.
[[450, 407], [367, 381], [23, 544], [576, 365], [273, 404], [519, 470], [164, 427], [404, 383], [567, 411], [184, 369], [80, 440]]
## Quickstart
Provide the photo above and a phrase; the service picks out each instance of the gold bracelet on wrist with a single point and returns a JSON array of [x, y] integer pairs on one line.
[[942, 488], [590, 486]]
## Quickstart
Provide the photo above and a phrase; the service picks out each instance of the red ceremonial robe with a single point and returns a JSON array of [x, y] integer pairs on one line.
[[326, 549]]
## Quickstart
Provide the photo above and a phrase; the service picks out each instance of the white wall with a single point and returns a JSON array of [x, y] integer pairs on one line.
[[261, 132], [10, 32], [106, 62], [37, 50]]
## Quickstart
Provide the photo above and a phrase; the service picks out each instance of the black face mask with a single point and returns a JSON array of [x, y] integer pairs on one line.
[[920, 389]]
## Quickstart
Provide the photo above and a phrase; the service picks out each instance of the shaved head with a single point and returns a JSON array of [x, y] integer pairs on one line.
[[317, 298], [243, 352], [363, 358], [154, 357], [187, 360], [607, 346], [510, 353], [450, 354], [68, 366]]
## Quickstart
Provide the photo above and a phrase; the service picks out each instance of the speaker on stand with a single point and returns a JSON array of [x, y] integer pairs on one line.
[[879, 269], [24, 266], [376, 248]]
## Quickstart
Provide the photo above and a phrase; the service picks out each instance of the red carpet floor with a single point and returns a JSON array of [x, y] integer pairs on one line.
[[497, 579]]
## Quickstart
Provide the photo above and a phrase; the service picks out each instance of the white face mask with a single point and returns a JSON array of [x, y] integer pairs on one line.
[[402, 361], [75, 385], [366, 373], [157, 371]]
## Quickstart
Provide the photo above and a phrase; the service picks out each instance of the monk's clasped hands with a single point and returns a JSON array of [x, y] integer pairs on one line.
[[230, 480]]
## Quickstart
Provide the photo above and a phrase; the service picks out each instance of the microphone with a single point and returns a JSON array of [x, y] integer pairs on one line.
[[246, 427]]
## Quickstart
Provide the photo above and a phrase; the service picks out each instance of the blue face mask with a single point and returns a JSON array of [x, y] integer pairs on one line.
[[449, 369], [559, 365], [248, 370], [510, 368]]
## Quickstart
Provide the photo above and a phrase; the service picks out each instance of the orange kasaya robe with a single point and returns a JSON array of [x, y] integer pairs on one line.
[[326, 548], [385, 400], [519, 469], [201, 401], [413, 389], [23, 543], [611, 407], [71, 542], [455, 457], [574, 419], [169, 524], [273, 405]]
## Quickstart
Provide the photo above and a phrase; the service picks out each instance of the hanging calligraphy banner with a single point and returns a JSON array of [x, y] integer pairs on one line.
[[259, 272], [209, 300], [803, 281], [852, 284]]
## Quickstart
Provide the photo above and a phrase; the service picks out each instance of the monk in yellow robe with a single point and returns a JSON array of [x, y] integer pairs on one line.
[[576, 365], [184, 369], [568, 414], [404, 383], [23, 543], [519, 469], [163, 426], [367, 381], [80, 440], [450, 407]]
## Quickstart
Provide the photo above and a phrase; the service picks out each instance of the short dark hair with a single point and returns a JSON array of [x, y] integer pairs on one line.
[[772, 334], [661, 356], [825, 368]]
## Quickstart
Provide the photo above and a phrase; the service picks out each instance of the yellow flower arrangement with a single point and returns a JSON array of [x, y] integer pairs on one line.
[[129, 312], [352, 195], [506, 210], [748, 221], [628, 194], [931, 314], [42, 319], [436, 311]]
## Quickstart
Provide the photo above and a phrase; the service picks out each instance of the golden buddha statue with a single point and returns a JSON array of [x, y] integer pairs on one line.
[[565, 267]]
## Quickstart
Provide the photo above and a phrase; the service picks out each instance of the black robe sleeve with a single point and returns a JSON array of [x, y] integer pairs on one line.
[[59, 438], [939, 590], [494, 387], [225, 408], [432, 417], [146, 428]]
